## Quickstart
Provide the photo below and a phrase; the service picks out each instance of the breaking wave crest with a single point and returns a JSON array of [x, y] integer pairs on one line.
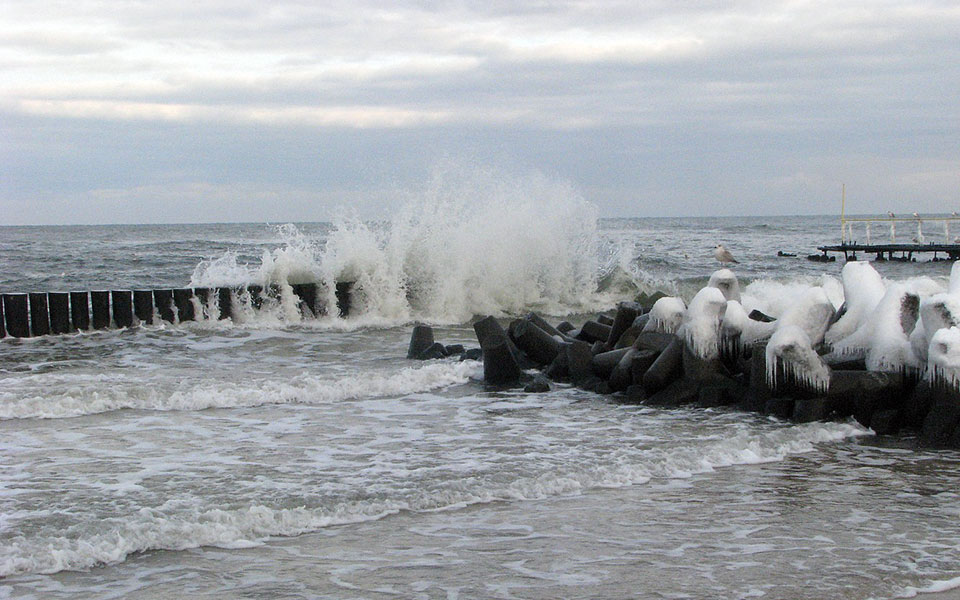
[[105, 393], [471, 242]]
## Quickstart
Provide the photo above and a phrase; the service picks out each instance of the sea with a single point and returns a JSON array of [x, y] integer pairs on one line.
[[287, 456]]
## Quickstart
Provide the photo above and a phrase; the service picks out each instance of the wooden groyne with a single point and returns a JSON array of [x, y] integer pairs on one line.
[[44, 313]]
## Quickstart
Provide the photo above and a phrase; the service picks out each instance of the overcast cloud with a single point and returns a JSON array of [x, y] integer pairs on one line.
[[264, 111]]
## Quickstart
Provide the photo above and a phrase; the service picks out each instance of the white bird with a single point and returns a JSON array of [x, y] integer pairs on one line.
[[916, 216], [723, 255], [891, 215]]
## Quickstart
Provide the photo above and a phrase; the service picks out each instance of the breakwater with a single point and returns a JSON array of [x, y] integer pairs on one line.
[[45, 313], [889, 357]]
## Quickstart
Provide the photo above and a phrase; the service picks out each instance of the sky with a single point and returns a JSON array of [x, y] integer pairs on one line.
[[247, 111]]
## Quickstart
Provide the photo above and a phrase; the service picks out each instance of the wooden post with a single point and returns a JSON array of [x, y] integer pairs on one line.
[[122, 308], [101, 309], [39, 314], [344, 295], [80, 310], [15, 311], [203, 295], [307, 292], [181, 297], [59, 304], [164, 301], [226, 302], [143, 305]]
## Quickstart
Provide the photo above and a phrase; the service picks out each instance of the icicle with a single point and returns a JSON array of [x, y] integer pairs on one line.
[[790, 350], [666, 315], [868, 233], [893, 232], [919, 239]]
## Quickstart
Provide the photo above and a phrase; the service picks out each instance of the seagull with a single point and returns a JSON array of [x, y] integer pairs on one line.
[[891, 215], [723, 255], [916, 216]]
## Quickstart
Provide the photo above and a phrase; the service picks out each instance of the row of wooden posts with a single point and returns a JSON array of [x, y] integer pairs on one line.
[[44, 313]]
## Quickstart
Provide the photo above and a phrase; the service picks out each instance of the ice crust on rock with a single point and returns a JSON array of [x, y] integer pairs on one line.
[[883, 338], [862, 290], [901, 326], [936, 312], [944, 361], [725, 281], [791, 349], [738, 329], [701, 323], [811, 313], [666, 315]]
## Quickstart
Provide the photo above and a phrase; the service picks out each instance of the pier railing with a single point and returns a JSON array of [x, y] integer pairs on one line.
[[917, 237], [43, 313]]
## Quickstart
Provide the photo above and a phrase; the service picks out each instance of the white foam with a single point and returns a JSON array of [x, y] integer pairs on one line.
[[304, 389], [935, 587], [774, 297], [178, 525]]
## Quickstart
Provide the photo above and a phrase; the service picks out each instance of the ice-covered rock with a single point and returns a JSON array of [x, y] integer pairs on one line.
[[862, 291], [936, 312], [666, 315], [944, 361], [791, 352], [812, 313], [883, 338], [738, 330], [725, 281], [701, 323]]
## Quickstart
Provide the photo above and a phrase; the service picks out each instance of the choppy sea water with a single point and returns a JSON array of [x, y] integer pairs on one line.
[[288, 458]]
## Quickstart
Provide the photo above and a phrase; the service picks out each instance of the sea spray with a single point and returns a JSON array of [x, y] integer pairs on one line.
[[469, 243]]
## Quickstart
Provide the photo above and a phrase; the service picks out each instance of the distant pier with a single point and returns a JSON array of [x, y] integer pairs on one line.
[[43, 313], [893, 252]]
